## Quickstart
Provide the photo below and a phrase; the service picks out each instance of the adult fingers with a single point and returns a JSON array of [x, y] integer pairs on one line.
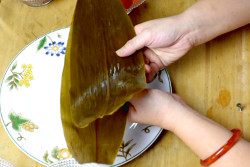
[[136, 43]]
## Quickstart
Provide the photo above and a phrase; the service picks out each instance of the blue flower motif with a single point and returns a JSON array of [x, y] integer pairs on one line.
[[55, 49]]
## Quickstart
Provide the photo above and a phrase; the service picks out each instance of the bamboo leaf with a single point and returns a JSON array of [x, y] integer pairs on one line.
[[12, 86], [14, 66], [42, 43], [54, 153], [130, 148], [128, 142]]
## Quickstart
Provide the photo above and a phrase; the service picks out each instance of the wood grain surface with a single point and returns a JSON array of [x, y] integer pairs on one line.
[[212, 78]]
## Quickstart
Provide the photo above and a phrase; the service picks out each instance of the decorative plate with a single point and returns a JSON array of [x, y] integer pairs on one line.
[[30, 103]]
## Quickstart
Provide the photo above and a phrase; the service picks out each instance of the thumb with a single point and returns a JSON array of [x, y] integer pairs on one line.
[[136, 43]]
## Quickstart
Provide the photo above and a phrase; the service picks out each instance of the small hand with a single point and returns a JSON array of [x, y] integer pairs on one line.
[[155, 107]]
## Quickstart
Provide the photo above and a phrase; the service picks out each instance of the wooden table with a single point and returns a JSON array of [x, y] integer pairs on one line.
[[212, 78]]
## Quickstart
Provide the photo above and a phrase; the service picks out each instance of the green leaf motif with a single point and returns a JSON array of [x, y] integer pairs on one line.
[[9, 78], [16, 76], [10, 83], [54, 153], [17, 121], [11, 115], [16, 127], [42, 43], [17, 82], [13, 80], [14, 66], [58, 35], [15, 85], [46, 158]]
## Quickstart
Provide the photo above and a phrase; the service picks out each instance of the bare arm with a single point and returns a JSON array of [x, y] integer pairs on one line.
[[211, 18], [200, 134], [205, 137]]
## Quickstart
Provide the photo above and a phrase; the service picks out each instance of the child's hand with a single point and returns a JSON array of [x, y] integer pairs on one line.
[[155, 107]]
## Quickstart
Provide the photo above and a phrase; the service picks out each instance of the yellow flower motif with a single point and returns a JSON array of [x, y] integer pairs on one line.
[[21, 82], [28, 71], [25, 81], [29, 66], [31, 77], [25, 75], [27, 84], [24, 66]]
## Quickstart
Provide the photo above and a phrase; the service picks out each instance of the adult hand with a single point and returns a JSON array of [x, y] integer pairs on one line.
[[164, 41]]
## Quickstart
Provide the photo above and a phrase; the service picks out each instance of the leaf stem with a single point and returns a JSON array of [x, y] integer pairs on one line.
[[8, 124], [51, 40]]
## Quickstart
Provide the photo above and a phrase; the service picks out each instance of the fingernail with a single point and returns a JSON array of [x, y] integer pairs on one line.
[[120, 51]]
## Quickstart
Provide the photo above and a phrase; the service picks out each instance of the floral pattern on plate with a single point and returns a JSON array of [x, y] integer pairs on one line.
[[20, 78], [38, 69]]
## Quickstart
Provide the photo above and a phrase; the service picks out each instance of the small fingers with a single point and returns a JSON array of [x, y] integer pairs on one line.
[[131, 113], [153, 70], [152, 57], [146, 60], [147, 68], [153, 64]]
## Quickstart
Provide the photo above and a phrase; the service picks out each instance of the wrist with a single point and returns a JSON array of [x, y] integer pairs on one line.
[[175, 116], [187, 28], [181, 117]]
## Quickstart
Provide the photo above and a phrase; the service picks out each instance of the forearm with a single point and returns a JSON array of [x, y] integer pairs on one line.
[[205, 137], [211, 18]]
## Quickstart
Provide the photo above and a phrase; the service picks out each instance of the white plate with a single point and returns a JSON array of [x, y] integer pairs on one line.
[[30, 95]]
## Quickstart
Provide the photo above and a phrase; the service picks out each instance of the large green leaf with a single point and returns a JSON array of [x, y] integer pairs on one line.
[[17, 121]]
